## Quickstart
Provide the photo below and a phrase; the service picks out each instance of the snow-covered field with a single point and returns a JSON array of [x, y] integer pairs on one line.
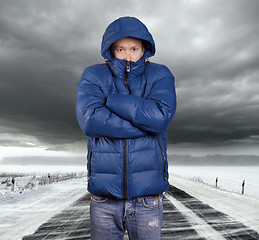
[[28, 177], [32, 169], [230, 178], [19, 182], [22, 213], [39, 193], [199, 181], [242, 208]]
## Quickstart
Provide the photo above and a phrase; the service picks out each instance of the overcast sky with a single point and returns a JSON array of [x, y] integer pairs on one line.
[[211, 47]]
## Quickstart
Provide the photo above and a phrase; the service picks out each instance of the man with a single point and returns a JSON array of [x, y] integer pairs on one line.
[[124, 107]]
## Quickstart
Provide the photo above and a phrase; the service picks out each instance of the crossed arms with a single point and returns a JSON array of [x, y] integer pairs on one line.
[[125, 116]]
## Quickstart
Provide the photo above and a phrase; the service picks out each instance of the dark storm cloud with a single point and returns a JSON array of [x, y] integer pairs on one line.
[[210, 46], [44, 49], [217, 69]]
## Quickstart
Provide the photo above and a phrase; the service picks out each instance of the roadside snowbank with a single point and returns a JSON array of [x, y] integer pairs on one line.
[[242, 208], [22, 213]]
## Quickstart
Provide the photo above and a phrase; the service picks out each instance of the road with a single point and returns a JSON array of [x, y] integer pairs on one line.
[[185, 218]]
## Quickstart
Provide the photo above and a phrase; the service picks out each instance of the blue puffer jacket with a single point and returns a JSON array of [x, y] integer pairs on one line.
[[125, 116]]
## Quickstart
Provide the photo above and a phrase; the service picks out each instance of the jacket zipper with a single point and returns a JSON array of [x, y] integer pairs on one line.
[[126, 73], [163, 158], [125, 191], [90, 165]]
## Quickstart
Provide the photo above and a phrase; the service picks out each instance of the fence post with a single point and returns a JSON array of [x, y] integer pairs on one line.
[[49, 178], [12, 186], [243, 187], [217, 182]]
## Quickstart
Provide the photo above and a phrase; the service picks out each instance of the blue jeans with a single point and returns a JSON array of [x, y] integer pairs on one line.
[[141, 216]]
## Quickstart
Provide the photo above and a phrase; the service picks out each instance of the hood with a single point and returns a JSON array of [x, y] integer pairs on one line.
[[127, 27]]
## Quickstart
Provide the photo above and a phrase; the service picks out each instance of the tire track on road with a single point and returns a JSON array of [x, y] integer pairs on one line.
[[71, 223], [228, 227], [176, 225]]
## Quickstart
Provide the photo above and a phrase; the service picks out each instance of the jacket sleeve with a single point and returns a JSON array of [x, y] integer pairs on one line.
[[94, 118], [152, 114]]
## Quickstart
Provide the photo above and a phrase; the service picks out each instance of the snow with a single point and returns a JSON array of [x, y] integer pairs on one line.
[[37, 169], [240, 207], [230, 178], [202, 228], [22, 212]]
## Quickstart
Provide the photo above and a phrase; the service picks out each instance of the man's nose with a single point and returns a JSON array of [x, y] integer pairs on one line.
[[128, 56]]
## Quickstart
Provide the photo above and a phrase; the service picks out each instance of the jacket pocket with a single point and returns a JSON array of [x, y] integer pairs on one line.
[[90, 165], [161, 149]]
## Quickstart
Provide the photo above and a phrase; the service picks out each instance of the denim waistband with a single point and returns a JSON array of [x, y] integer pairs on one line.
[[135, 198]]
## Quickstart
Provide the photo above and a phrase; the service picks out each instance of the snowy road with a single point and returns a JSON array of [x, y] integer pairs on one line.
[[185, 217]]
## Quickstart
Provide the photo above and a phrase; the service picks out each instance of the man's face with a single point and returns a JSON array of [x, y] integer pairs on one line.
[[130, 49]]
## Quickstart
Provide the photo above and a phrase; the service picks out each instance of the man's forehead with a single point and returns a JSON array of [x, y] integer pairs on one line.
[[128, 40]]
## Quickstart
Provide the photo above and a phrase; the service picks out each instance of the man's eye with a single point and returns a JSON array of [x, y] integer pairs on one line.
[[135, 49], [120, 50]]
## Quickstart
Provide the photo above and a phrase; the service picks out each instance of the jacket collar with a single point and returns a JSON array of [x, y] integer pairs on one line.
[[118, 67]]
